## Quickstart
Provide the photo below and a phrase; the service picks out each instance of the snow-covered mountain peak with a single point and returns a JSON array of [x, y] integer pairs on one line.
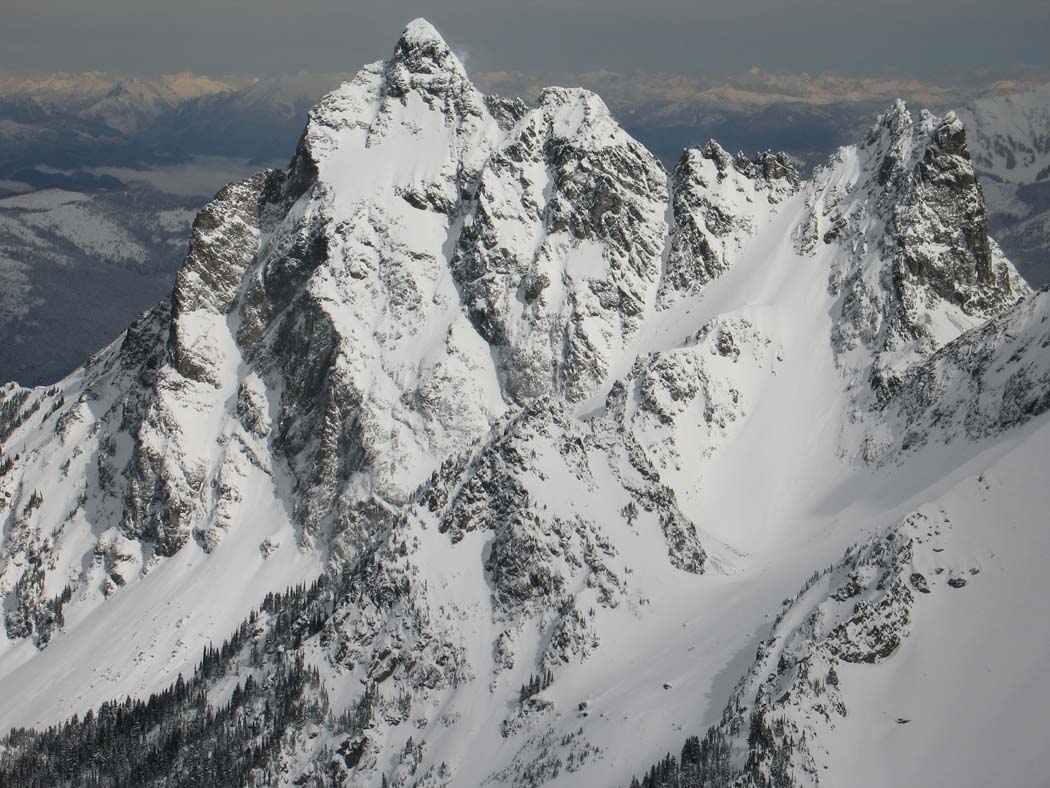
[[895, 141], [917, 266], [420, 41], [132, 103], [716, 153], [423, 61], [576, 112], [718, 204], [551, 425], [420, 107]]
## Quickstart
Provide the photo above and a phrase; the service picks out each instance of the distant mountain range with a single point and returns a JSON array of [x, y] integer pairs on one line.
[[478, 449], [90, 120], [99, 180], [168, 143], [131, 119], [75, 268], [1010, 143]]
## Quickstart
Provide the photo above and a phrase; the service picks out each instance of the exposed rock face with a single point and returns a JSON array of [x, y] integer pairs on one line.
[[711, 222], [987, 381], [917, 265], [224, 243], [859, 611], [543, 534], [168, 473], [561, 254], [681, 405]]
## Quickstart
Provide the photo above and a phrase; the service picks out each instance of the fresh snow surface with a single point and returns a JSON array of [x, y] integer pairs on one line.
[[967, 682]]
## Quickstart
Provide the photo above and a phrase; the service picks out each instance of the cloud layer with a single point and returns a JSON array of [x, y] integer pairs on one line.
[[682, 36]]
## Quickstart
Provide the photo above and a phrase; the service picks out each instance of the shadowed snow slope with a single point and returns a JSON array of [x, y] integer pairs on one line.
[[546, 434]]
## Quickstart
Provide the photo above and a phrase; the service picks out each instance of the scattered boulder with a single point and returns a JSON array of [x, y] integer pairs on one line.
[[918, 582]]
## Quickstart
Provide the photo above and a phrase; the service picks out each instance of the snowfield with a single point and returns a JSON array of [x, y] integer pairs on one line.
[[573, 458]]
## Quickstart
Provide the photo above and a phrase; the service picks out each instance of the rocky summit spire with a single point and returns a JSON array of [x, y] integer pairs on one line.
[[422, 58], [420, 34]]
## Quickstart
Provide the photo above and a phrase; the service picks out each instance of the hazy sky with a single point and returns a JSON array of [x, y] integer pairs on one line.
[[864, 37]]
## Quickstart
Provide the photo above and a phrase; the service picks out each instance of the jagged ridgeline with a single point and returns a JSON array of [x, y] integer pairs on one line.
[[537, 434]]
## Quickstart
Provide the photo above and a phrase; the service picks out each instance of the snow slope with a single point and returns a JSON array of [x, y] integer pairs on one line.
[[531, 405]]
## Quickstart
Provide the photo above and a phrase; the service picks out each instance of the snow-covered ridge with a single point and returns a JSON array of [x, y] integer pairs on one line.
[[528, 406]]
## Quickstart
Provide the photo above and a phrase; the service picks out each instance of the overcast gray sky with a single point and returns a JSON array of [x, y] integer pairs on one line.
[[863, 37]]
